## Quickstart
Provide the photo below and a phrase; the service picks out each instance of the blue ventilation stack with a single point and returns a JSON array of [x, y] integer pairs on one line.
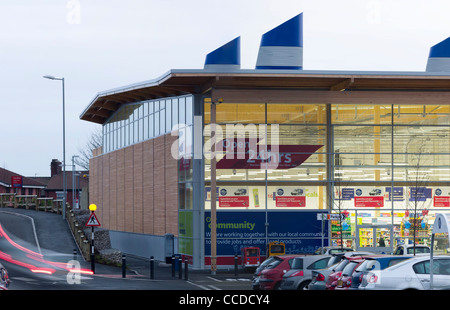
[[282, 47], [225, 58], [439, 58]]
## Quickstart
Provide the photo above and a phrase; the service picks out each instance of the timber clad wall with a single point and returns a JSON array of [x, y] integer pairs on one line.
[[136, 188]]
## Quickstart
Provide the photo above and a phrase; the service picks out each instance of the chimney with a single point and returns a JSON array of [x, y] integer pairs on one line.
[[439, 58], [225, 58], [55, 167], [282, 47]]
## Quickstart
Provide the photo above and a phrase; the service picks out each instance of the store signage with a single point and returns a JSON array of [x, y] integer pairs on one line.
[[247, 154], [397, 194], [234, 196], [440, 200], [298, 230], [331, 217], [369, 197], [290, 197], [419, 193], [16, 181]]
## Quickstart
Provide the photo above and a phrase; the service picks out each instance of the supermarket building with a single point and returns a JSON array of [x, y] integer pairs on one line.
[[374, 146]]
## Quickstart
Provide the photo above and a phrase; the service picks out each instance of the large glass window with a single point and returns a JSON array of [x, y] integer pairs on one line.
[[137, 122]]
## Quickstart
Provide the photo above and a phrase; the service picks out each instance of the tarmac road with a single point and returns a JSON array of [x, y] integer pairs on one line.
[[48, 234]]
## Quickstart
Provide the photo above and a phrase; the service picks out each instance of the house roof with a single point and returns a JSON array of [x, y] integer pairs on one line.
[[56, 181], [5, 179]]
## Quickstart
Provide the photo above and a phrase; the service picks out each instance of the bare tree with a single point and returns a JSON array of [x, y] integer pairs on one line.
[[417, 203], [85, 152]]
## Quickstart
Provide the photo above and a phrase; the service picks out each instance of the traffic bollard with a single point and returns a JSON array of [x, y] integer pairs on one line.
[[74, 254], [186, 268], [235, 265], [124, 266], [152, 267], [180, 267], [173, 265]]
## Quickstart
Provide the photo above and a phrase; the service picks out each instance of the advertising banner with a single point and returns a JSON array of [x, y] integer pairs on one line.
[[234, 196], [300, 231], [290, 197], [369, 197], [441, 198]]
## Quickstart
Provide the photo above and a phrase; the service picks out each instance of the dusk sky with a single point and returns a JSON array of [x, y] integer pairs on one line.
[[98, 45]]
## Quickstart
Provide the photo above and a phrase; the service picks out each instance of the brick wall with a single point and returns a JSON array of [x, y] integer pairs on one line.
[[136, 188]]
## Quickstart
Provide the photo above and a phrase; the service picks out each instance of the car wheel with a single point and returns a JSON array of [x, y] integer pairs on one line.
[[304, 285]]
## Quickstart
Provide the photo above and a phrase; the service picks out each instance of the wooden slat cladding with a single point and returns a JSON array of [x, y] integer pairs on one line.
[[136, 188]]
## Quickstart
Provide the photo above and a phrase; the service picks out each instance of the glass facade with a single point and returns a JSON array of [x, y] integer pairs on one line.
[[137, 122], [385, 167]]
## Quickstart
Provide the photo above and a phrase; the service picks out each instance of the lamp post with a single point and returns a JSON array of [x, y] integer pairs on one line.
[[50, 77], [74, 185]]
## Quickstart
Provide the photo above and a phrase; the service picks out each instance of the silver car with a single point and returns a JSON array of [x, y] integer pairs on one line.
[[413, 273], [300, 274]]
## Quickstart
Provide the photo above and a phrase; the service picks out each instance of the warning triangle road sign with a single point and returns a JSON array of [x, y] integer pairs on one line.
[[92, 221]]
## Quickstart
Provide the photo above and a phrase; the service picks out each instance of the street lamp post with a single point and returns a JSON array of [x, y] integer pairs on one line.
[[74, 185], [50, 77]]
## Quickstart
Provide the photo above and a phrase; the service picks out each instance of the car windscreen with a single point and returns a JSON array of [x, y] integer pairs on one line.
[[276, 261], [348, 269], [365, 265], [341, 265]]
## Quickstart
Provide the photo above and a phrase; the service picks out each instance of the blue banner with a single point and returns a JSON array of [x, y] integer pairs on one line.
[[299, 230]]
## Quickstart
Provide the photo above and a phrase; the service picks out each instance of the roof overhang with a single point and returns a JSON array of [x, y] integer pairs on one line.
[[182, 82]]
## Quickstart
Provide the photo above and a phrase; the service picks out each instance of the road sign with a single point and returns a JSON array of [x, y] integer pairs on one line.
[[92, 221], [333, 217]]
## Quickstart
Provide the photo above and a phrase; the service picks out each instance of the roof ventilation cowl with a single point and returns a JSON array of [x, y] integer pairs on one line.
[[225, 58], [439, 58], [282, 47]]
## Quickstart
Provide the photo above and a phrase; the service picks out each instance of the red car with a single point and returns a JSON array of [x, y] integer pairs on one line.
[[333, 278], [345, 280], [271, 276]]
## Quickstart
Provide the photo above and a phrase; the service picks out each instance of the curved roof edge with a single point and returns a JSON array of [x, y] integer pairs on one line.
[[177, 82]]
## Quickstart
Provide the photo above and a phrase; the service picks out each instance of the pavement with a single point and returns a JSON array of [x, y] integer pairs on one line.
[[54, 237]]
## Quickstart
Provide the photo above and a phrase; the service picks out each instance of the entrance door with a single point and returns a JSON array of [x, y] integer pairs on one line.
[[377, 239]]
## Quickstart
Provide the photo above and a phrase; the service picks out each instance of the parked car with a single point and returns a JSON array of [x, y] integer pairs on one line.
[[257, 273], [374, 263], [300, 274], [406, 249], [413, 273], [328, 250], [345, 279], [333, 277], [271, 276], [319, 277]]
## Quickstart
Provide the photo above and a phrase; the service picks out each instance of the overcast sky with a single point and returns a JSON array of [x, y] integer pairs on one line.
[[98, 45]]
